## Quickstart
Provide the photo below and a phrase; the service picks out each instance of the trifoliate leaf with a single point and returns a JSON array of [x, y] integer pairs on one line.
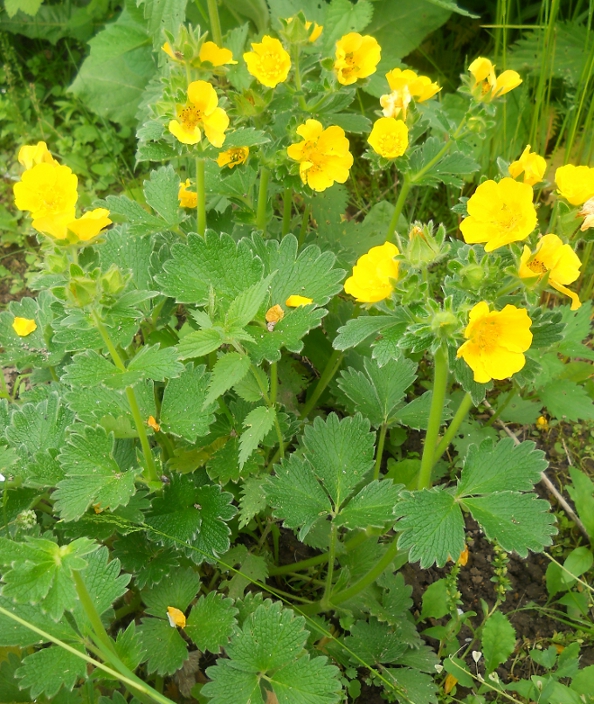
[[518, 522], [228, 371], [41, 426], [501, 467], [14, 634], [183, 410], [271, 645], [211, 261], [161, 191], [498, 640], [243, 309], [47, 670], [148, 562], [359, 329], [178, 590], [412, 685], [211, 622], [372, 506], [92, 475], [340, 452], [374, 642], [308, 273], [40, 572], [297, 496], [567, 401], [288, 332], [378, 392], [257, 425], [165, 649], [432, 526]]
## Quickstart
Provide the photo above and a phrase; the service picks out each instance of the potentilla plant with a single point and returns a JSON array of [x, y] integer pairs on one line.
[[202, 380]]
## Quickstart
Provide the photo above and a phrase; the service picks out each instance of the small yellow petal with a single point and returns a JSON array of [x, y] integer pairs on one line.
[[24, 326], [275, 314], [176, 617], [295, 301], [215, 55], [152, 423], [90, 224]]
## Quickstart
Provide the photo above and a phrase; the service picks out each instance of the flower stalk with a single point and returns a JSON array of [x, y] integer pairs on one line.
[[459, 417], [262, 200], [380, 450], [330, 370], [215, 22], [201, 192], [440, 384]]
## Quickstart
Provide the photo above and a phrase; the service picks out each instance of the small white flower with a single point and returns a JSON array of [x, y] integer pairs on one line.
[[439, 668], [476, 655], [494, 677]]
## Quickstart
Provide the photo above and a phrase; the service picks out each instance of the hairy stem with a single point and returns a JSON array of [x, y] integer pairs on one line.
[[331, 558], [287, 206], [262, 200], [201, 192], [440, 383], [215, 22], [330, 370], [465, 406], [380, 450]]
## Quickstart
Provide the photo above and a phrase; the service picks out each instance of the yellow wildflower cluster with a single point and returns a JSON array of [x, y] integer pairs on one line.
[[486, 86], [323, 155], [49, 191]]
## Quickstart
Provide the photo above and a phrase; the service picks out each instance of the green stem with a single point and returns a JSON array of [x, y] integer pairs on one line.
[[465, 406], [287, 205], [151, 470], [380, 450], [330, 370], [304, 224], [298, 85], [404, 190], [440, 383], [4, 393], [262, 200], [215, 22], [201, 192], [330, 574], [370, 577], [273, 383], [506, 401]]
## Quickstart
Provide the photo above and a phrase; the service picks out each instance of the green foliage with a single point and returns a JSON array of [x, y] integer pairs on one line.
[[498, 640], [184, 410], [211, 622], [46, 671]]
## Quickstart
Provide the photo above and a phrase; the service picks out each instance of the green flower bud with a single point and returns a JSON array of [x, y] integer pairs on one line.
[[472, 276], [81, 291], [424, 246], [112, 281]]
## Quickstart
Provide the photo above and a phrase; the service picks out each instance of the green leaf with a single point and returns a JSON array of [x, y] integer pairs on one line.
[[165, 649], [351, 122], [416, 413], [200, 343], [9, 689], [309, 273], [148, 562], [228, 371], [183, 410], [156, 363], [372, 506], [244, 308], [340, 452], [343, 17], [211, 622], [446, 170], [374, 642], [413, 686], [14, 634], [245, 137], [162, 187], [178, 590], [501, 467], [432, 526], [39, 427], [271, 643], [253, 500], [582, 494], [518, 522], [498, 640], [296, 495], [129, 647], [103, 580], [89, 369], [29, 7], [40, 572], [48, 670], [567, 401], [93, 476], [112, 78], [289, 333], [215, 261], [257, 424], [379, 391], [163, 14], [577, 563], [140, 222], [435, 600], [357, 330]]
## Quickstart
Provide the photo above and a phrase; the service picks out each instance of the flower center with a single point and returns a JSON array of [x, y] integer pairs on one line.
[[507, 218], [236, 155], [486, 334], [190, 117], [271, 65], [391, 144], [537, 267]]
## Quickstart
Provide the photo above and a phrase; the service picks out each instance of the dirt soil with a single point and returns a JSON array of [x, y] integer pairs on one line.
[[14, 261]]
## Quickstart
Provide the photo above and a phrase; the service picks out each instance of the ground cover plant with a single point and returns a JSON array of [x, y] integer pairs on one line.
[[240, 413]]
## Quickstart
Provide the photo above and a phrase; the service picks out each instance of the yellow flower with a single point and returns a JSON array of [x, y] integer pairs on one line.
[[587, 212], [233, 157], [323, 156], [486, 86], [558, 260], [542, 423], [315, 32], [463, 559], [200, 111], [296, 301], [152, 423], [268, 62], [24, 326], [496, 341], [175, 55], [176, 617], [389, 137], [575, 183], [532, 165], [373, 274], [187, 199], [406, 85], [31, 155], [499, 213], [47, 190], [357, 56], [275, 314], [90, 224], [215, 55]]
